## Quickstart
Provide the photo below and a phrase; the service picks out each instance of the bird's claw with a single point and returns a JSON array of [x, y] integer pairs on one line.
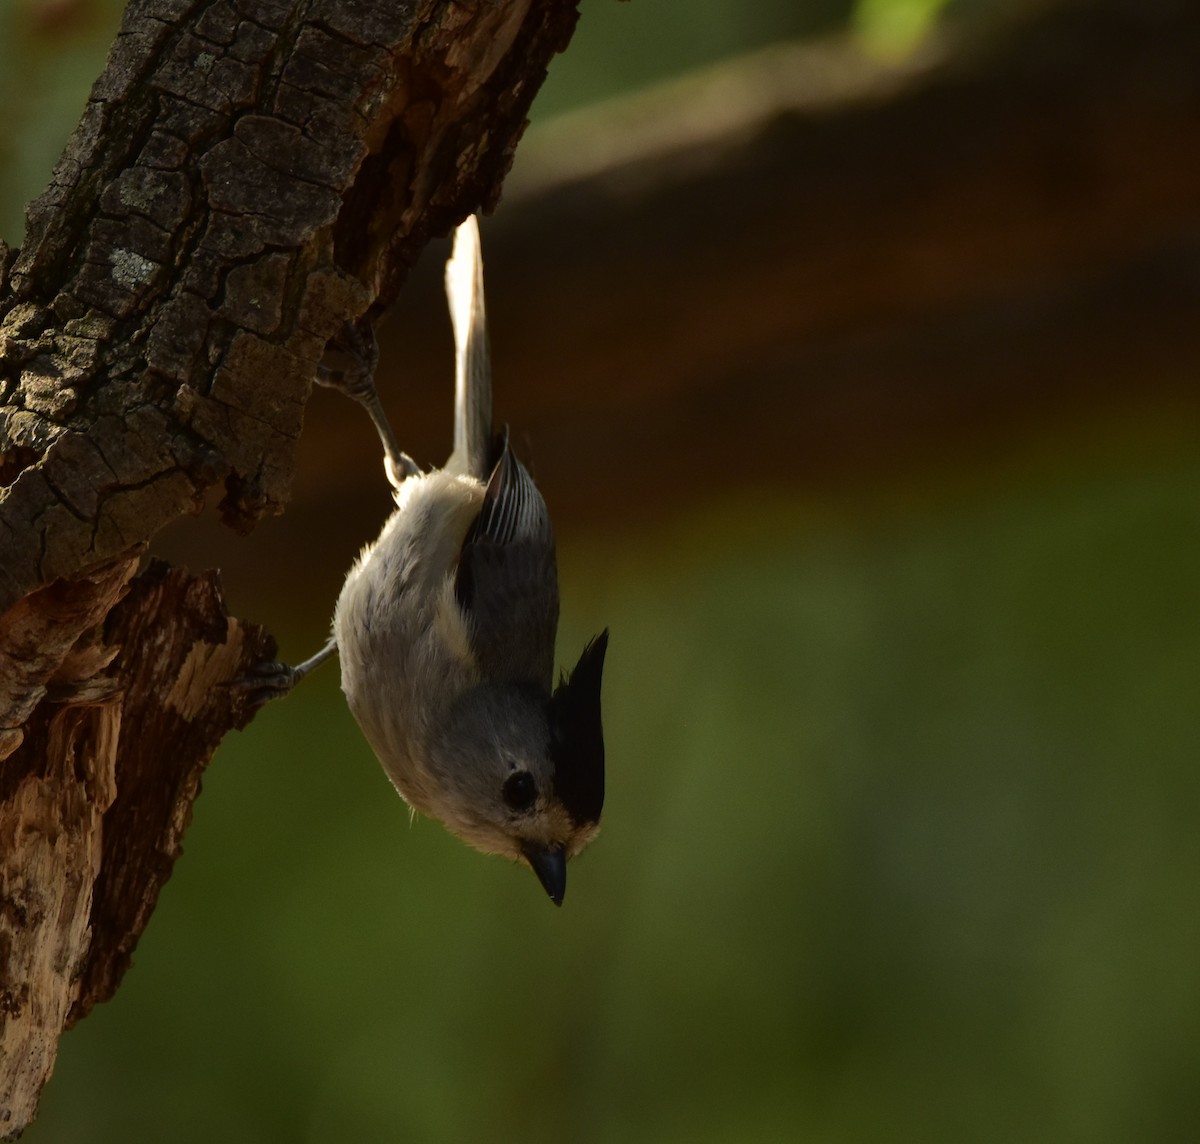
[[263, 682], [357, 379]]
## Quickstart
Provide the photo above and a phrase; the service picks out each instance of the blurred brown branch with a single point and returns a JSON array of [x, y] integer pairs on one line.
[[244, 180], [1000, 238], [805, 268]]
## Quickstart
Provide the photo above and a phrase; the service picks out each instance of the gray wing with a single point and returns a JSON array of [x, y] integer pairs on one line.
[[507, 579]]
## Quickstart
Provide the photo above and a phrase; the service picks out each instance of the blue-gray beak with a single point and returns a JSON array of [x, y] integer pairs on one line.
[[551, 868]]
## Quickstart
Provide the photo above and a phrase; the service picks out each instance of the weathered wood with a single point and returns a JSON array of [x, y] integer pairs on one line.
[[95, 797], [57, 780]]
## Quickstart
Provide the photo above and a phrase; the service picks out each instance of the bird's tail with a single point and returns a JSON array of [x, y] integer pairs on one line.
[[473, 367]]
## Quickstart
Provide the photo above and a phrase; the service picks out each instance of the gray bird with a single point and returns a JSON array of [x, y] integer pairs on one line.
[[445, 630]]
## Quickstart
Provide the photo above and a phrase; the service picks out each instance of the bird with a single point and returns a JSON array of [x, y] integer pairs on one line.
[[445, 626]]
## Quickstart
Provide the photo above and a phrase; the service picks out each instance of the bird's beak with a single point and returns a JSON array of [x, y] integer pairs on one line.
[[551, 868]]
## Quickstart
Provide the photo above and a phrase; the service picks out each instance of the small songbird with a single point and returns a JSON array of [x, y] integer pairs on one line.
[[446, 625]]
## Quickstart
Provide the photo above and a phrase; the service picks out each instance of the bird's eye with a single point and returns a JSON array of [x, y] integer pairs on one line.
[[520, 790]]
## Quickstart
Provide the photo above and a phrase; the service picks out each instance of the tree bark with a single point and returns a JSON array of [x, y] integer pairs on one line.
[[248, 175]]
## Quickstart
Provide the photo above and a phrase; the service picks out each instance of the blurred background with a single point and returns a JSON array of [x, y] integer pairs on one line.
[[854, 344]]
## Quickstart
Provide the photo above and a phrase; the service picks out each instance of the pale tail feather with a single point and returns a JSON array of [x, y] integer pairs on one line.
[[473, 369]]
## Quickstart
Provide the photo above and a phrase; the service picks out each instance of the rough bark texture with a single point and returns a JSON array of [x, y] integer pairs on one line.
[[247, 176], [99, 784]]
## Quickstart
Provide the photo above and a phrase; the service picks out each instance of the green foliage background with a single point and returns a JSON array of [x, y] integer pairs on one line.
[[900, 845], [900, 841]]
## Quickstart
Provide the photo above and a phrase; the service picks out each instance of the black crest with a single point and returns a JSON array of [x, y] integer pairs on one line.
[[577, 735]]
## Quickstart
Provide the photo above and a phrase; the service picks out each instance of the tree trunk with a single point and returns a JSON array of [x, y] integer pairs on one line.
[[248, 175]]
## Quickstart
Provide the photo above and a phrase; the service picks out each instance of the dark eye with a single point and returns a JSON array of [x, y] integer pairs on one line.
[[520, 791]]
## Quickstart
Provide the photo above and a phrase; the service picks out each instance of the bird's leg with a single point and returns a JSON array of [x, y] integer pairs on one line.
[[267, 681], [357, 380]]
